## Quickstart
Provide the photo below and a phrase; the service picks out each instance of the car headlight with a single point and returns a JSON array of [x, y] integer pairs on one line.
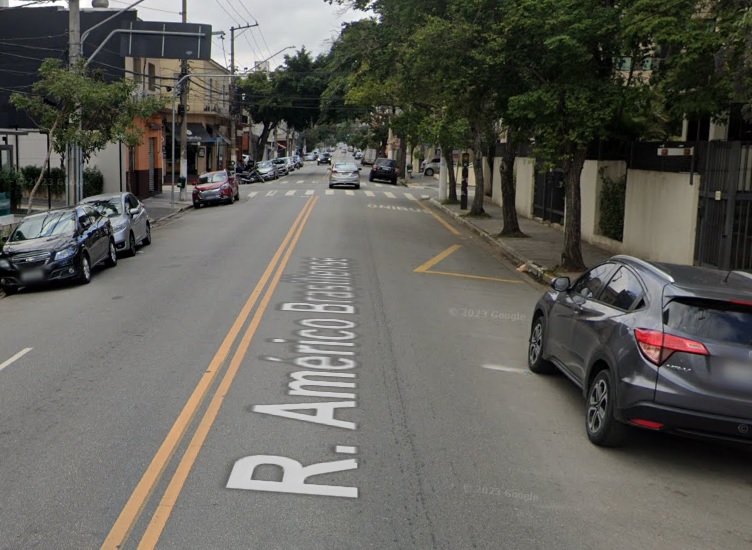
[[66, 253], [4, 264], [225, 186], [118, 227]]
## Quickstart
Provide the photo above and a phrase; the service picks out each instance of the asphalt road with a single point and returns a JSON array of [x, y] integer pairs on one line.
[[315, 370]]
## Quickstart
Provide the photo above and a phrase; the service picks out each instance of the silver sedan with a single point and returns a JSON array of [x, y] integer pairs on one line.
[[129, 219], [344, 173]]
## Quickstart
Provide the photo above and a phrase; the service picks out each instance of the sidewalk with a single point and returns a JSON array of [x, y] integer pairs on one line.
[[540, 253], [162, 206]]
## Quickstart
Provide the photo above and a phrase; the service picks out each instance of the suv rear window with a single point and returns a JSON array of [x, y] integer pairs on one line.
[[386, 162], [716, 320]]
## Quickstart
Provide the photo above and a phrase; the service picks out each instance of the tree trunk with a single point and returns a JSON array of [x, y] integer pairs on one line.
[[490, 156], [571, 257], [477, 208], [511, 226], [261, 141], [452, 183], [42, 172]]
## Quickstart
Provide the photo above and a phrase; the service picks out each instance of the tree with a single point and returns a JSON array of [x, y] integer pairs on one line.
[[258, 98], [78, 109], [571, 88]]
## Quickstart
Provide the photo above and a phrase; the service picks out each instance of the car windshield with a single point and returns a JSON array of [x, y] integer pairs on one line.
[[110, 208], [265, 164], [345, 166], [722, 321], [216, 177], [279, 161], [53, 224]]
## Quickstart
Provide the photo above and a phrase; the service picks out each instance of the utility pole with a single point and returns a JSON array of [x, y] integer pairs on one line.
[[74, 54], [184, 68], [234, 108]]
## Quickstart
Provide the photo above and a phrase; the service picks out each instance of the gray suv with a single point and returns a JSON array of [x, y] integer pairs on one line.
[[658, 346]]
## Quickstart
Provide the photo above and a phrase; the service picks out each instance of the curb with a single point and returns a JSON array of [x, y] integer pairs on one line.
[[172, 214], [536, 271]]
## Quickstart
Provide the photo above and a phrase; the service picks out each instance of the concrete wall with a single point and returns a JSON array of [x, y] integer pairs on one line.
[[660, 218], [591, 185], [524, 170], [109, 162]]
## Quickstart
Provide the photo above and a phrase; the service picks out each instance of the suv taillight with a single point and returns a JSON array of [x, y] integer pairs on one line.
[[658, 346]]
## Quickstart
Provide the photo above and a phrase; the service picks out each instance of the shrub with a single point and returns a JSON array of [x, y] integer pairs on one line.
[[11, 182], [613, 197], [55, 181], [93, 181], [30, 175]]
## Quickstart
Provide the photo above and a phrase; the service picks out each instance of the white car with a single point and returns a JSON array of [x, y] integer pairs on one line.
[[129, 219]]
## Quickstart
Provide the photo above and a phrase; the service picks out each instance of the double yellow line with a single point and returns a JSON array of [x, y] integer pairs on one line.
[[130, 514]]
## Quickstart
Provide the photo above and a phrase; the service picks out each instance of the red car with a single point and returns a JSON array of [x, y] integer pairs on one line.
[[215, 187]]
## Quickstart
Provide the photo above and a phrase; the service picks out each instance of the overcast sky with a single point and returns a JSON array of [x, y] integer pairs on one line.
[[282, 23]]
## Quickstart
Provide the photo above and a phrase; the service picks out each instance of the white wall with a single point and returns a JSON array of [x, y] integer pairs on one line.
[[496, 182], [591, 186], [524, 170], [32, 149], [108, 161], [660, 218]]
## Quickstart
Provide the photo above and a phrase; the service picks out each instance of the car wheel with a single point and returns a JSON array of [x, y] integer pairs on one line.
[[9, 290], [147, 239], [429, 172], [357, 186], [394, 181], [196, 205], [331, 186], [370, 177], [111, 260], [237, 195], [535, 361], [131, 251], [601, 426], [84, 277]]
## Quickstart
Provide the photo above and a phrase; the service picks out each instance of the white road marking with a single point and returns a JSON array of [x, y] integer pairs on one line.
[[16, 357], [300, 181], [252, 194], [309, 192], [291, 193], [271, 193], [389, 194], [425, 197], [344, 449], [330, 191], [380, 185], [507, 369], [350, 192], [410, 196], [370, 194]]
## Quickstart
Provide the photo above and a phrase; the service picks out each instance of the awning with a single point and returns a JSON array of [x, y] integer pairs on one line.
[[216, 136], [197, 133]]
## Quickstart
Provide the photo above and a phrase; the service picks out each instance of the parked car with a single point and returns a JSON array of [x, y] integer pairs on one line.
[[291, 164], [430, 167], [267, 170], [658, 346], [214, 187], [324, 158], [369, 157], [310, 157], [129, 219], [384, 169], [344, 173], [59, 245], [358, 155], [282, 166]]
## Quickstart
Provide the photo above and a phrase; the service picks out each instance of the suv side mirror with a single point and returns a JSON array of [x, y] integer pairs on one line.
[[560, 284]]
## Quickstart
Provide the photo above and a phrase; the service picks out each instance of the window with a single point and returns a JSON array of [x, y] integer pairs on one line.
[[83, 219], [591, 282], [723, 321], [623, 290], [132, 201], [152, 77]]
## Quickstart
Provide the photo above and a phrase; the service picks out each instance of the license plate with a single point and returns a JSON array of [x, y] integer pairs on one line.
[[32, 276]]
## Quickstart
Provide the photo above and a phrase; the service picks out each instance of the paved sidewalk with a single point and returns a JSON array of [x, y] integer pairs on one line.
[[539, 254], [167, 204]]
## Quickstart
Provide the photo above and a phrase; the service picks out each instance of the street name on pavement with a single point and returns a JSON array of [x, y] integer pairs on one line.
[[391, 207], [327, 351]]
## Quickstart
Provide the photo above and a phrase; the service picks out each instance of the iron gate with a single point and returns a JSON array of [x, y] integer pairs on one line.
[[548, 198], [724, 221]]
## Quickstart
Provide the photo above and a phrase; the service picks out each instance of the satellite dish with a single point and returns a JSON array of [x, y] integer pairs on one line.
[[100, 3]]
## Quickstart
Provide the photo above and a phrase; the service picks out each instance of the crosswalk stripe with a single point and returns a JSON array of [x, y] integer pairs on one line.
[[252, 194], [370, 193], [410, 196], [389, 194], [379, 185], [300, 181], [291, 193], [309, 192], [349, 192], [330, 191], [271, 193]]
